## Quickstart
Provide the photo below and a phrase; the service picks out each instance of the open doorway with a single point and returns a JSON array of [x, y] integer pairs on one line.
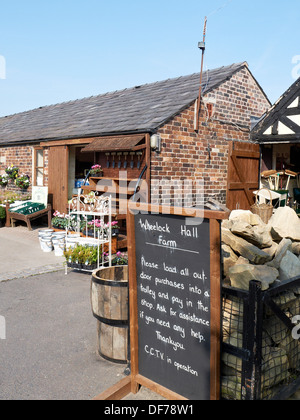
[[79, 166]]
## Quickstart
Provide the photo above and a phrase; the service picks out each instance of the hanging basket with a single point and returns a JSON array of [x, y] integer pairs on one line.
[[264, 211]]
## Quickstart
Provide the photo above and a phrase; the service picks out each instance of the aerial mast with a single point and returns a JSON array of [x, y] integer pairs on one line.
[[201, 46]]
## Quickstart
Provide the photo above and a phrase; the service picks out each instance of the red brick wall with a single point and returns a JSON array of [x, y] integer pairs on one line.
[[184, 153], [21, 157]]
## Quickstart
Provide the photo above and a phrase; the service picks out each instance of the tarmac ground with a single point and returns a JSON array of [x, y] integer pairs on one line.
[[49, 351]]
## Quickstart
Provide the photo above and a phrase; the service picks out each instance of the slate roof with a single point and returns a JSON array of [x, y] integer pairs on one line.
[[135, 110]]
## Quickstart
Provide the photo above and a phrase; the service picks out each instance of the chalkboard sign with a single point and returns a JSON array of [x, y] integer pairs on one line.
[[175, 302], [173, 297]]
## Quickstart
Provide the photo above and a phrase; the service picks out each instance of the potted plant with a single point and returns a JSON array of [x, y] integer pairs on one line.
[[120, 259], [89, 198], [91, 258], [115, 228], [9, 197], [93, 226], [98, 225], [2, 216], [3, 180], [59, 220], [62, 221], [74, 257], [12, 171], [96, 170], [82, 257], [67, 255], [22, 182]]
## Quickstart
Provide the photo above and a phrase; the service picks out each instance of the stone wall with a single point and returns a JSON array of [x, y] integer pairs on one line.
[[268, 253], [253, 250]]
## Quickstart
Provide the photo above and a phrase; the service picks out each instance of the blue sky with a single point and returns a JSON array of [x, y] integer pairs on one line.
[[57, 51]]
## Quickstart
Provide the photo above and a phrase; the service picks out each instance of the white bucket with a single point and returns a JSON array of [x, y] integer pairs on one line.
[[43, 232], [45, 237], [59, 247], [73, 235], [72, 240], [71, 243], [46, 243], [59, 235]]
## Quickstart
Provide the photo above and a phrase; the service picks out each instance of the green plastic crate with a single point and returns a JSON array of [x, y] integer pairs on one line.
[[28, 208]]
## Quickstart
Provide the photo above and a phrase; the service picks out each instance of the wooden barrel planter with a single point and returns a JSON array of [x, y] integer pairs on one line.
[[109, 299]]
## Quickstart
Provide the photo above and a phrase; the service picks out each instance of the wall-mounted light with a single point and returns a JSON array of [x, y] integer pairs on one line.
[[155, 142]]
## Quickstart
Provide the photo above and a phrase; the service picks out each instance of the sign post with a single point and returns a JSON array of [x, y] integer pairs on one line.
[[175, 302]]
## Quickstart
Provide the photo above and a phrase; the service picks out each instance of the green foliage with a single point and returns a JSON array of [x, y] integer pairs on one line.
[[10, 197], [120, 259], [83, 254], [2, 213], [22, 181], [88, 255], [4, 180], [12, 171], [63, 221]]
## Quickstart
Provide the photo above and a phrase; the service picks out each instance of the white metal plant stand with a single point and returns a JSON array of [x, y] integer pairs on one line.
[[89, 223]]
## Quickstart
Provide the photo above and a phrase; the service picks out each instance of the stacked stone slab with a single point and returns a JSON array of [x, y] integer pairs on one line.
[[253, 250], [268, 253]]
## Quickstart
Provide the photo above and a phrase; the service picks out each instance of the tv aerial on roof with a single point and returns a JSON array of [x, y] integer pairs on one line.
[[201, 46]]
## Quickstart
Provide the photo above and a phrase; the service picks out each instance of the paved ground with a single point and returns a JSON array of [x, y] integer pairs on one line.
[[50, 348], [21, 255]]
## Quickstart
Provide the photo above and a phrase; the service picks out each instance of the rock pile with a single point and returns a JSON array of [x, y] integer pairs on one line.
[[253, 250], [268, 253]]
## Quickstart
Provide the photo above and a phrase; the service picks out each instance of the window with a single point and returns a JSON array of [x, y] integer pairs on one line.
[[38, 168]]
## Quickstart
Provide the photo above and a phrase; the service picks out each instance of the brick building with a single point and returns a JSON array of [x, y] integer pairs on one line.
[[56, 145]]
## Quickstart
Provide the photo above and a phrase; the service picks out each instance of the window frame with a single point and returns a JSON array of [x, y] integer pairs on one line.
[[37, 168]]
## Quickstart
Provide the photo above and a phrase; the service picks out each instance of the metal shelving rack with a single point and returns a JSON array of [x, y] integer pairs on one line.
[[84, 209]]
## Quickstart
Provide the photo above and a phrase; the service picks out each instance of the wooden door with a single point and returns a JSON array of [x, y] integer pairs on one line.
[[243, 175], [58, 177]]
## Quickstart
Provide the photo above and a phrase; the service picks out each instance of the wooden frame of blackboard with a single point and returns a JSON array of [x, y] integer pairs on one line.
[[135, 380]]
